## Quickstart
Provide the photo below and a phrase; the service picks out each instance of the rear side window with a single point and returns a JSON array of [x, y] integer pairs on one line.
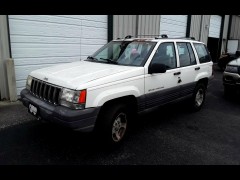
[[184, 56], [202, 53], [192, 56]]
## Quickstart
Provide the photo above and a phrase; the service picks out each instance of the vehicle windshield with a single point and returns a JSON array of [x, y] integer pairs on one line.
[[132, 53]]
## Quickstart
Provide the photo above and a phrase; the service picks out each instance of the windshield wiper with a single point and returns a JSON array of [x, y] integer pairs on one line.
[[110, 60], [92, 58]]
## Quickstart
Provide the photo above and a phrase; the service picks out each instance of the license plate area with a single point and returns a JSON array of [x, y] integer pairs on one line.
[[33, 109]]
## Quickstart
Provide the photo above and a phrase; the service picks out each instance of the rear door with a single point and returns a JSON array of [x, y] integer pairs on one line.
[[188, 67], [161, 88], [204, 58]]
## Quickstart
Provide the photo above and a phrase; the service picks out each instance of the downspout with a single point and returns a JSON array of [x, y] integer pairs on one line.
[[200, 33]]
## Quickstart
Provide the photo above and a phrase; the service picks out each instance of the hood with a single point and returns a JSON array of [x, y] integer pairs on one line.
[[71, 75], [235, 62]]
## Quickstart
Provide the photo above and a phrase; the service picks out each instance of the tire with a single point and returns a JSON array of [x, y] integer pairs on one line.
[[113, 124], [198, 97]]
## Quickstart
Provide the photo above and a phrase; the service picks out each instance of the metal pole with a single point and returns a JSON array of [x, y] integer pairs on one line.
[[200, 33]]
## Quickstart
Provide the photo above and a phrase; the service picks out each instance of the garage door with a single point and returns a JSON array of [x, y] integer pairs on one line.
[[173, 25], [215, 26], [42, 41]]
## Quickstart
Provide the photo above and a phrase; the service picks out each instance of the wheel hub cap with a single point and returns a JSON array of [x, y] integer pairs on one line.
[[199, 97], [119, 127]]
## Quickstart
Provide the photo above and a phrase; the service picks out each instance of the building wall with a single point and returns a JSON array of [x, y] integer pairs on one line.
[[137, 25], [39, 41], [195, 26], [200, 27], [225, 33], [205, 28], [235, 29], [4, 55], [148, 25], [124, 25]]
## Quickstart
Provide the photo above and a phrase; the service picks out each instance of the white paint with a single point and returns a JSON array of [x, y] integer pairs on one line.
[[215, 26], [232, 46], [105, 82], [39, 41], [173, 25]]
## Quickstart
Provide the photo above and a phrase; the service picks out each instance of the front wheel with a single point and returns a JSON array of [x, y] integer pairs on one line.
[[198, 97], [113, 123]]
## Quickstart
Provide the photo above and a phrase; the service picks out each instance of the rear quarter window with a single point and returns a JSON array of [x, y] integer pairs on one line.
[[202, 52]]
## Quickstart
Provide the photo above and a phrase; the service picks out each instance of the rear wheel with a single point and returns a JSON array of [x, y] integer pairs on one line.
[[198, 97]]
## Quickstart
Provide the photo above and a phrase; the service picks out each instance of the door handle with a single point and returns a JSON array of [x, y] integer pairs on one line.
[[197, 68], [176, 73]]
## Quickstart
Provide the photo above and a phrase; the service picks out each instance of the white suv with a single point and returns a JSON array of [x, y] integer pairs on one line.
[[124, 77]]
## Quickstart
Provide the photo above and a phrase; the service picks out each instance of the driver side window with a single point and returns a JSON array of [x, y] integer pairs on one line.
[[165, 54]]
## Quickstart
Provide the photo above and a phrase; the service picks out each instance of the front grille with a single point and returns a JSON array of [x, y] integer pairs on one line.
[[45, 91]]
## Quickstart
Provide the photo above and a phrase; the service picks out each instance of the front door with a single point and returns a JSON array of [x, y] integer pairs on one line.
[[161, 88]]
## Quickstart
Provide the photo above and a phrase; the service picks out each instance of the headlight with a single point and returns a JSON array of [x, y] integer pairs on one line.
[[232, 69], [73, 99], [29, 82]]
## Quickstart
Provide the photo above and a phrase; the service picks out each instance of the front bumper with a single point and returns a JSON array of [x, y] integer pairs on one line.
[[82, 120], [231, 79]]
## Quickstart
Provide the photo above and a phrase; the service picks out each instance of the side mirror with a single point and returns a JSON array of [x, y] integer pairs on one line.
[[157, 68]]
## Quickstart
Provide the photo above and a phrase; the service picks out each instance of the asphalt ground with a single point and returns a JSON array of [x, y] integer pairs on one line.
[[169, 135]]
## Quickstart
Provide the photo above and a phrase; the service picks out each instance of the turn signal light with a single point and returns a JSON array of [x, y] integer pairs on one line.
[[82, 97]]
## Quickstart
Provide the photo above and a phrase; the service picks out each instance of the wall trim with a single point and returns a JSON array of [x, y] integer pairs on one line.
[[189, 20], [9, 40], [221, 37]]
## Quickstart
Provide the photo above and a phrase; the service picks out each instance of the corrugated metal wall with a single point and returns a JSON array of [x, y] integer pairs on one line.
[[135, 25], [200, 25], [225, 32], [225, 28], [205, 28], [195, 26], [148, 25], [124, 25], [235, 27], [39, 41]]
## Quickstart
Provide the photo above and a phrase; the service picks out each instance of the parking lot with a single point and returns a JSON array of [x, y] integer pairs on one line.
[[167, 135]]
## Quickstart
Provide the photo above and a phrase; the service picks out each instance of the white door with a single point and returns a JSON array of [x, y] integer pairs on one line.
[[39, 41], [188, 67], [173, 25], [161, 88], [215, 26]]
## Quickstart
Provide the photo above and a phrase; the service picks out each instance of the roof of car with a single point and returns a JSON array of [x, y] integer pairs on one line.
[[156, 39]]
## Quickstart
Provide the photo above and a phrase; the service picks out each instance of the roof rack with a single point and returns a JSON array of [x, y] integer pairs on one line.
[[158, 36], [193, 38], [154, 35], [128, 37]]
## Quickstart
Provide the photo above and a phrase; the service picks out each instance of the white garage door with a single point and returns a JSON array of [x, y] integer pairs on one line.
[[42, 41], [215, 26], [173, 25]]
